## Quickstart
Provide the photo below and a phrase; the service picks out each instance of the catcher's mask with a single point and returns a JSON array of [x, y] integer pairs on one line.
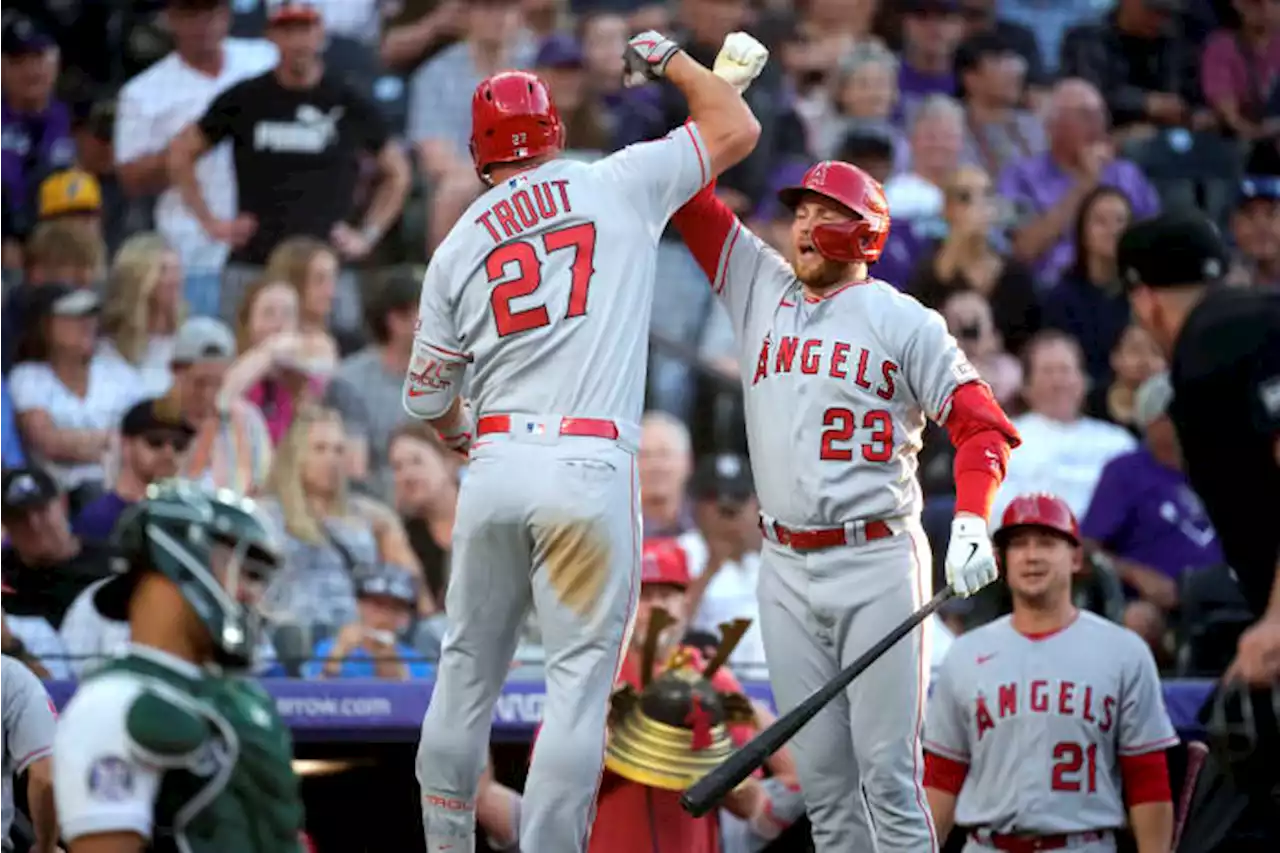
[[673, 731]]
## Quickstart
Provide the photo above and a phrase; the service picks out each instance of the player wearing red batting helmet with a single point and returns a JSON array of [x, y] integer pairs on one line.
[[513, 119], [1038, 544], [841, 220]]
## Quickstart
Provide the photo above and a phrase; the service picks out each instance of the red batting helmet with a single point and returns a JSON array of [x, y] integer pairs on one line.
[[859, 239], [513, 118], [1037, 509], [664, 561]]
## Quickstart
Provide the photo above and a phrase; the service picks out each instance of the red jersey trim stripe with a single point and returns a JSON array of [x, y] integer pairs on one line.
[[35, 755], [448, 353], [703, 165], [723, 277], [933, 746]]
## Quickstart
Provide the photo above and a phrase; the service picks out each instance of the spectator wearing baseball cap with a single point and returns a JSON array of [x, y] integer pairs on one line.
[[232, 447], [154, 443], [44, 562], [370, 647], [1255, 229], [724, 551], [68, 398], [72, 194], [37, 127]]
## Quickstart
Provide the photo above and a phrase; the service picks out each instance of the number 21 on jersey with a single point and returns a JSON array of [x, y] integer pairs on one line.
[[580, 239], [838, 426]]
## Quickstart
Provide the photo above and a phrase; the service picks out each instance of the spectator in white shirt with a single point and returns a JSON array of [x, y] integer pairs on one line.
[[67, 397], [143, 310], [724, 552], [158, 103], [1062, 452]]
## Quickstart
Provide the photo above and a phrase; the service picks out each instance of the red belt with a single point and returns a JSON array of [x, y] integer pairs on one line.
[[825, 537], [589, 427], [1034, 843]]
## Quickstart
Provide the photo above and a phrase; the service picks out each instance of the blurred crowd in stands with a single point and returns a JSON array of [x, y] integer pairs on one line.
[[217, 212]]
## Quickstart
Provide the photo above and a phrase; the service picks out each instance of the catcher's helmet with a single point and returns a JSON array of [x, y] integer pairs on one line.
[[173, 531], [512, 119], [1037, 509], [859, 239]]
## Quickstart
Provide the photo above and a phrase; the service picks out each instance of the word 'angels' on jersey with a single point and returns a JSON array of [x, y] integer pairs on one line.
[[837, 388], [546, 282], [1043, 721]]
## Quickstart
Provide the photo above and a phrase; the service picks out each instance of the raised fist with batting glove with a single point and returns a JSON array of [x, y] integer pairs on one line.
[[647, 57], [971, 562], [740, 60]]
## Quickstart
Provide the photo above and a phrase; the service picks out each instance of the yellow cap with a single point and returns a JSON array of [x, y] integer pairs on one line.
[[71, 191]]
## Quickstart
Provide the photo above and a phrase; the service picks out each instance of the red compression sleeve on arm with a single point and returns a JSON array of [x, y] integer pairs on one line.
[[983, 437], [705, 223], [944, 774], [1145, 778]]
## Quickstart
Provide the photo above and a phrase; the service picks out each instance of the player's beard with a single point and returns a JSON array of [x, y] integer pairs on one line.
[[827, 274]]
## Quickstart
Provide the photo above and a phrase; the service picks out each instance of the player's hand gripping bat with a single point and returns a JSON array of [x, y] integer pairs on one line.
[[711, 788]]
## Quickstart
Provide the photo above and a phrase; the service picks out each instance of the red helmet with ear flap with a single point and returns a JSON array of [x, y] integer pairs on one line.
[[1037, 509], [513, 118], [862, 238]]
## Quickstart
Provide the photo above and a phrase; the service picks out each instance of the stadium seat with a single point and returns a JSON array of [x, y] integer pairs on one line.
[[293, 644], [1191, 170]]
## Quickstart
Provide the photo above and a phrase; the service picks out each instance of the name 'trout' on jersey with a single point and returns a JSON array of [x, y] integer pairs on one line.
[[1042, 722], [844, 382], [546, 282]]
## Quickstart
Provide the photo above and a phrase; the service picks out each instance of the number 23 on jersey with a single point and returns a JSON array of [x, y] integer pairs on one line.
[[579, 239], [839, 425]]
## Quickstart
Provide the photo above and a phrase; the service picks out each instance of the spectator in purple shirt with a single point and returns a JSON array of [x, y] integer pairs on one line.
[[36, 126], [931, 30], [633, 114], [1144, 515], [154, 443], [1047, 189]]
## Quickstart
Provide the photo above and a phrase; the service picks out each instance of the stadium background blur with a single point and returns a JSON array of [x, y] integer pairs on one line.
[[263, 350]]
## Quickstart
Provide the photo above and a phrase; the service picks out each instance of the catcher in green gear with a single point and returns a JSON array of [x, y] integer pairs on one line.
[[168, 748]]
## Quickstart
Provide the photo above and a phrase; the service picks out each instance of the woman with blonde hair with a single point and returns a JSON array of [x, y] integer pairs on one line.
[[143, 310], [311, 267], [330, 534], [276, 369]]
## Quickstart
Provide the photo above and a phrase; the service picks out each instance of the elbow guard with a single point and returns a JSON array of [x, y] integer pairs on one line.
[[983, 437], [433, 381]]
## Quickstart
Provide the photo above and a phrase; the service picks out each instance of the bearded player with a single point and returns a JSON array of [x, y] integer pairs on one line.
[[840, 374], [169, 748], [544, 288], [632, 815], [1047, 727]]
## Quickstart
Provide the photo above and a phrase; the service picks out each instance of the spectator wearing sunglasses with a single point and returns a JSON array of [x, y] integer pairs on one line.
[[155, 439], [370, 646]]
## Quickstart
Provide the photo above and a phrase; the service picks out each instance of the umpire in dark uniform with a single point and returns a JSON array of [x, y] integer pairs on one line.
[[1223, 346]]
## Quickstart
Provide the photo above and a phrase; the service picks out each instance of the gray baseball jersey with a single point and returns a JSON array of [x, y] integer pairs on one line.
[[845, 381], [546, 282], [27, 730], [1043, 721]]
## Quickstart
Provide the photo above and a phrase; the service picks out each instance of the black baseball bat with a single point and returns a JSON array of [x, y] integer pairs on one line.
[[710, 789]]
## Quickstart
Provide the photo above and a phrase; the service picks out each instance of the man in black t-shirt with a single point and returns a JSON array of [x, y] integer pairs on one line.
[[1224, 354], [297, 134]]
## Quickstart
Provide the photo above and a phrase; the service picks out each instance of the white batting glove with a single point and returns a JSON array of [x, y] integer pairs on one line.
[[740, 60], [971, 564], [459, 440], [647, 56]]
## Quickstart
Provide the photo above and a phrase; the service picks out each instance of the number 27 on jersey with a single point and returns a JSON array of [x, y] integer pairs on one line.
[[579, 239]]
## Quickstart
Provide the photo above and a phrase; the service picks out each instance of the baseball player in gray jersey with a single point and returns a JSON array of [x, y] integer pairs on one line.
[[28, 742], [1045, 726], [544, 287], [840, 373]]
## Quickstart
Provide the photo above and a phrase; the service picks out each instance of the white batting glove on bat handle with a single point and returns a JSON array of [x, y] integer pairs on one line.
[[971, 563], [647, 56], [740, 60]]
